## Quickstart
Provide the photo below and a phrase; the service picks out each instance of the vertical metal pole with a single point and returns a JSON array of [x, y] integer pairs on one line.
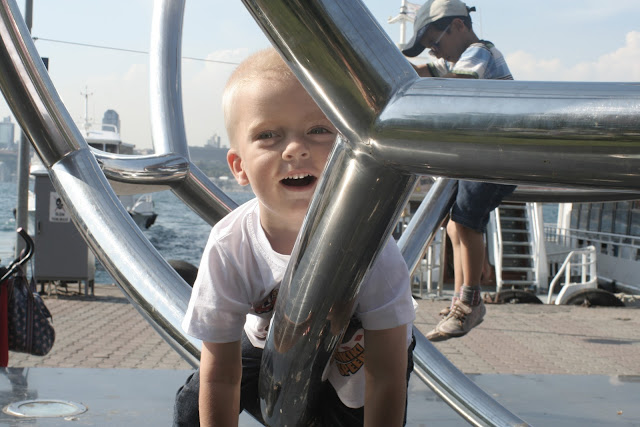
[[24, 153], [443, 247], [429, 269], [403, 23]]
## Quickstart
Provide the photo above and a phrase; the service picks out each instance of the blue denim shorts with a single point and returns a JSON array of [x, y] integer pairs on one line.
[[475, 201]]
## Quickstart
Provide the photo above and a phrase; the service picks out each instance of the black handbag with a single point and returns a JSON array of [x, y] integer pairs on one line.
[[30, 327], [25, 322]]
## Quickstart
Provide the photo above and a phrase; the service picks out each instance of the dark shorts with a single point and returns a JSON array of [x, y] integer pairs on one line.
[[475, 201], [333, 413]]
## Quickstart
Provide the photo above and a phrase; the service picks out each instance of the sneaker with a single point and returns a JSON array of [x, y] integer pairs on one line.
[[445, 311], [434, 334], [460, 320]]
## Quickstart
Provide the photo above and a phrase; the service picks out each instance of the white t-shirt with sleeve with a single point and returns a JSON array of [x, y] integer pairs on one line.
[[237, 287], [481, 60]]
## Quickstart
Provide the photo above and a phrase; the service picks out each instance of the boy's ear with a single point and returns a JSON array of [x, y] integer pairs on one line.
[[458, 24], [235, 164]]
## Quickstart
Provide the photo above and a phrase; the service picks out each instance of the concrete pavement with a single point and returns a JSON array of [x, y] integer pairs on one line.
[[105, 331]]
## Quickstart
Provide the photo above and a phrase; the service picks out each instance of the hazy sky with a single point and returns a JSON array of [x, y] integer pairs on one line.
[[569, 40]]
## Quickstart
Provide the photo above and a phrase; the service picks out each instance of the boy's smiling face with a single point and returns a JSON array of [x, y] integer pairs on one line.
[[280, 144]]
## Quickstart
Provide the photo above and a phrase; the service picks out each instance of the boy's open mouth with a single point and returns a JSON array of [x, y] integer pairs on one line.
[[299, 180]]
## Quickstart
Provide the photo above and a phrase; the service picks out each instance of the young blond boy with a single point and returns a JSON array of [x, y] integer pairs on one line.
[[280, 142]]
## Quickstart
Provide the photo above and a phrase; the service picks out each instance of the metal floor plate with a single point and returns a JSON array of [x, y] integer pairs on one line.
[[139, 397]]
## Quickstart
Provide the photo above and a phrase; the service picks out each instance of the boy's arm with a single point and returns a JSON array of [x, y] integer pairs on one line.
[[422, 70], [425, 71], [220, 375], [386, 376], [458, 76]]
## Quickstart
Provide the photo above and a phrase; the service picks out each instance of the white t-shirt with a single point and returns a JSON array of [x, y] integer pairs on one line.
[[480, 60], [238, 282]]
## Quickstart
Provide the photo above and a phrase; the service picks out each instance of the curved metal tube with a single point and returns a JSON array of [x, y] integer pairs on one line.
[[457, 390], [392, 118], [526, 193], [170, 166], [27, 94], [155, 289], [315, 302], [431, 214], [447, 381], [564, 134], [167, 118]]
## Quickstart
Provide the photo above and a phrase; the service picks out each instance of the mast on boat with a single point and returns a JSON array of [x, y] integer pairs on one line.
[[87, 122], [407, 14]]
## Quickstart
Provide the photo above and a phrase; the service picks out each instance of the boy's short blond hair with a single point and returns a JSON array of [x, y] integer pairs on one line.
[[266, 64]]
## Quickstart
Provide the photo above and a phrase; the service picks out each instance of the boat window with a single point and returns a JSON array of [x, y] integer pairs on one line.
[[606, 223], [575, 215], [583, 219], [621, 218], [594, 216], [635, 218]]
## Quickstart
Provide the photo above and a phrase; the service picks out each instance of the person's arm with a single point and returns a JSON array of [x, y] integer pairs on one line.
[[220, 375], [385, 370], [458, 76], [422, 70]]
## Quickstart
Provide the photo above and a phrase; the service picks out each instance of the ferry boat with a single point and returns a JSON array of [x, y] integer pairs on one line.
[[556, 253], [139, 206]]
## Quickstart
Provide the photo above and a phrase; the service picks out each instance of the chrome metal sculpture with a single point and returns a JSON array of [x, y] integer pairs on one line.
[[395, 126]]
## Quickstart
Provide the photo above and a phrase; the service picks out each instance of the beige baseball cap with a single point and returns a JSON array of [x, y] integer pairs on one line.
[[429, 12]]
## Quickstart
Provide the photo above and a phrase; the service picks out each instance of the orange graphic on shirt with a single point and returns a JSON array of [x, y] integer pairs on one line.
[[350, 361], [267, 304]]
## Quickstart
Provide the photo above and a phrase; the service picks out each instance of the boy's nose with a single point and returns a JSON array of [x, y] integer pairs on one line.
[[296, 148]]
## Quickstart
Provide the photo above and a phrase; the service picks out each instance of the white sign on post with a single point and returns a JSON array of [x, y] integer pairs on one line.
[[56, 209]]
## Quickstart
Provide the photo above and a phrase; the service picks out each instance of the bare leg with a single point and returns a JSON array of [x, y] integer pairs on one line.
[[468, 262], [471, 253], [452, 232]]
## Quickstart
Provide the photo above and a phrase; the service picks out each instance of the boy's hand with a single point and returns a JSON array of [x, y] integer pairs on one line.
[[386, 376], [220, 375]]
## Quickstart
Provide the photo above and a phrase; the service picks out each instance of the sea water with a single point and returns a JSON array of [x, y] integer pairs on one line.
[[7, 222], [178, 233]]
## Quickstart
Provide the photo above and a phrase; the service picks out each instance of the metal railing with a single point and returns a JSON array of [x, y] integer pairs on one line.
[[611, 244], [579, 264], [498, 247], [434, 259]]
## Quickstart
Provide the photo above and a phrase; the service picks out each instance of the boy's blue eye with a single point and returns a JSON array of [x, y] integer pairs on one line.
[[319, 130], [265, 135]]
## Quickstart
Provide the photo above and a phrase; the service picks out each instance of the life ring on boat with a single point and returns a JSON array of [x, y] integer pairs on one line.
[[186, 270], [594, 298], [516, 296]]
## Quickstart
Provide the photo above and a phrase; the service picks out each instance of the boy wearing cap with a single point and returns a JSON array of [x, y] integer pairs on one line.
[[444, 27]]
